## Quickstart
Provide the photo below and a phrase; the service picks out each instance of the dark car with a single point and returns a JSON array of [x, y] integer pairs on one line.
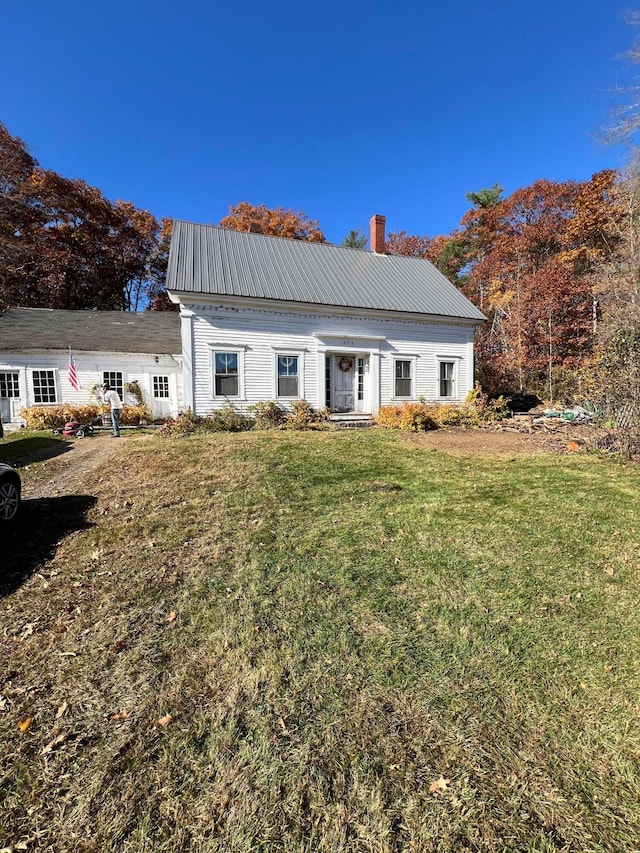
[[10, 488]]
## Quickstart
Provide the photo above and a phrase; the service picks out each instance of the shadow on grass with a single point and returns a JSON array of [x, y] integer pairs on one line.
[[36, 532], [35, 448]]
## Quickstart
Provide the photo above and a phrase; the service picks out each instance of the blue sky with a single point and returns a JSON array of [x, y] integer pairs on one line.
[[340, 109]]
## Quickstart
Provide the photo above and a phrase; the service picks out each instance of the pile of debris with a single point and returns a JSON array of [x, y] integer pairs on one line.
[[564, 430]]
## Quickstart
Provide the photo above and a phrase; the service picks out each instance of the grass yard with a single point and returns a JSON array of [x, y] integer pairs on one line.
[[329, 642], [21, 446]]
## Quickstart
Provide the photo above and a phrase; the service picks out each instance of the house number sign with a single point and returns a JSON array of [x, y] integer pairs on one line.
[[348, 343]]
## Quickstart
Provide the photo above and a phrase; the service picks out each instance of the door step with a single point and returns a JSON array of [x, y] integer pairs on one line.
[[344, 420]]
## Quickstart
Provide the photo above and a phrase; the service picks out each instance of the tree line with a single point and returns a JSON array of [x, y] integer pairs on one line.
[[555, 266], [64, 245], [550, 266]]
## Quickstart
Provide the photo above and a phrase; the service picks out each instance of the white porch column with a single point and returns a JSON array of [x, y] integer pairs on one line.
[[322, 385], [186, 330], [374, 370]]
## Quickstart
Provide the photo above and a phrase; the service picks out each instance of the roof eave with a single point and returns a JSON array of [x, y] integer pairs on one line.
[[197, 298]]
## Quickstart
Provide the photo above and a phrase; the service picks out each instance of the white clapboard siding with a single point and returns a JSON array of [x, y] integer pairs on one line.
[[138, 367], [259, 333]]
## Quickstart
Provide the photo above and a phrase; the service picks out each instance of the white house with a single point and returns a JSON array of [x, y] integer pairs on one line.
[[107, 346], [267, 318]]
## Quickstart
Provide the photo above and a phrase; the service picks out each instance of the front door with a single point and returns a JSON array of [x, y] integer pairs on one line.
[[343, 375], [9, 393], [348, 383]]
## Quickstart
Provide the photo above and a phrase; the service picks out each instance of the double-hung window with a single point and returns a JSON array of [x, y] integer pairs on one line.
[[403, 377], [44, 386], [446, 379], [227, 379], [288, 375]]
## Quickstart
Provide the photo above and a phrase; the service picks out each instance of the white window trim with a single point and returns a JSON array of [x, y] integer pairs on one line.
[[414, 361], [12, 371], [112, 383], [448, 359], [300, 355], [56, 382], [153, 385], [225, 348]]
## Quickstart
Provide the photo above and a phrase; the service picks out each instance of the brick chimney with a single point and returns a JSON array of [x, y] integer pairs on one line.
[[377, 239]]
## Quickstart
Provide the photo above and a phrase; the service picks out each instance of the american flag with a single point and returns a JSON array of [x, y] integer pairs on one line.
[[73, 376]]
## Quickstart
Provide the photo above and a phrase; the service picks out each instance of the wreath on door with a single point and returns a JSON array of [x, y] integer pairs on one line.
[[345, 364]]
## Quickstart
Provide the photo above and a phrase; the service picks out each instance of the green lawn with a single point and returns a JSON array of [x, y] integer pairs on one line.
[[362, 646]]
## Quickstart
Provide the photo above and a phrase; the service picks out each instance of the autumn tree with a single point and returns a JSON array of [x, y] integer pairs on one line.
[[21, 218], [447, 252], [157, 283], [410, 245], [276, 222], [612, 261], [63, 244], [526, 270]]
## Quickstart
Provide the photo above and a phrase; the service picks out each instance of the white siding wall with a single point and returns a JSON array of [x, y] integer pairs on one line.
[[138, 367], [258, 334]]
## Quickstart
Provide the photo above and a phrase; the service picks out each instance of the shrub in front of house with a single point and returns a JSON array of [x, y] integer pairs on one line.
[[408, 417], [264, 415], [136, 415], [304, 416], [486, 409], [422, 416], [224, 420], [55, 417], [268, 415]]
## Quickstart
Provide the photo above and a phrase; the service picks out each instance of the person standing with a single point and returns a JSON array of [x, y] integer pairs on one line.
[[112, 397]]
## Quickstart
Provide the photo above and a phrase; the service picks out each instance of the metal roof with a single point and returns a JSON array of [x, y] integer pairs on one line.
[[204, 259], [95, 331]]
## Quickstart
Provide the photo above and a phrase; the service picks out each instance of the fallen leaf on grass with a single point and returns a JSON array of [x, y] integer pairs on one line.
[[439, 786], [172, 616], [283, 725], [53, 743], [121, 715], [61, 710], [609, 570], [164, 721], [24, 723]]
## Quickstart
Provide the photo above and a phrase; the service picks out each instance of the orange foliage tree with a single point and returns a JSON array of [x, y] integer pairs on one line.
[[276, 222], [63, 244], [529, 263]]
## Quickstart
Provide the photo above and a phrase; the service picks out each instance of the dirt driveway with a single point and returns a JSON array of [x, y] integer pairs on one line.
[[57, 494], [63, 474]]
